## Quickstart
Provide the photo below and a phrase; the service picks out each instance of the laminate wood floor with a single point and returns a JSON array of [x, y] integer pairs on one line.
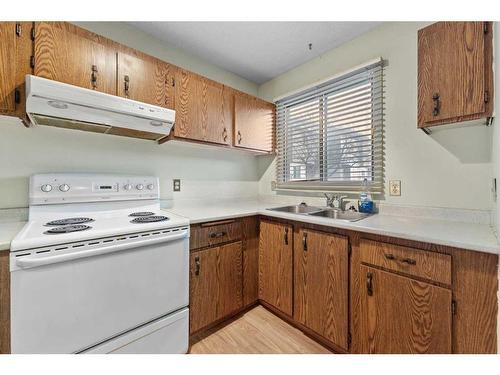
[[257, 331]]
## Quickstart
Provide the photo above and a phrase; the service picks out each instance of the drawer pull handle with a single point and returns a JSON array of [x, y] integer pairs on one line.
[[217, 234], [197, 266], [304, 241], [369, 284], [390, 257], [409, 261], [286, 236]]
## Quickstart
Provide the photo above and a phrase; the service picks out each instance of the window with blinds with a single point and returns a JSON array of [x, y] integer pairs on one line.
[[330, 137]]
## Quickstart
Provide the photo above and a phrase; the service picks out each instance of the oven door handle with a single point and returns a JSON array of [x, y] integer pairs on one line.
[[27, 262]]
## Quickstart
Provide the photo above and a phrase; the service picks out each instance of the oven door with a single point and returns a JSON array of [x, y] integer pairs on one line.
[[69, 301]]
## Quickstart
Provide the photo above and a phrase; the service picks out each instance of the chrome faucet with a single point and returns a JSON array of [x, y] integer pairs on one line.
[[336, 201]]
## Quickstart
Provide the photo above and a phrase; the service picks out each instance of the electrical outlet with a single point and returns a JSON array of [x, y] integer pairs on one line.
[[395, 187], [177, 184]]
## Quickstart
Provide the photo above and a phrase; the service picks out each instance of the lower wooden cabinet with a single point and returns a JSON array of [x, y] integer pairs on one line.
[[403, 315], [215, 284], [250, 231], [4, 302], [276, 265], [321, 284]]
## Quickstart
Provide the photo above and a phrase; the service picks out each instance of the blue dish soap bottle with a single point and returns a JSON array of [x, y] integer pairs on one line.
[[365, 199]]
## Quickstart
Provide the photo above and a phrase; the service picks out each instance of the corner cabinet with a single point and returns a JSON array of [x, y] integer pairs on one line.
[[254, 123], [276, 265], [455, 73], [203, 109]]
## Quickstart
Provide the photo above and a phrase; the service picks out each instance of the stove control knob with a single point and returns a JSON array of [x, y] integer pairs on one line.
[[151, 187], [64, 187], [46, 188], [127, 187], [139, 186]]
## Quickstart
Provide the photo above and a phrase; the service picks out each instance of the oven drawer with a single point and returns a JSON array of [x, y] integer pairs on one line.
[[214, 233], [406, 260]]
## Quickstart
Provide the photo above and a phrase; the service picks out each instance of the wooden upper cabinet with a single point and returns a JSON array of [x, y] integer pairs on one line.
[[276, 265], [70, 55], [146, 80], [203, 109], [455, 78], [253, 123], [321, 287], [15, 53], [402, 315]]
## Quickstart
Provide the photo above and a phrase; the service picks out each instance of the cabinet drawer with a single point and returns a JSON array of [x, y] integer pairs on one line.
[[420, 263], [213, 233]]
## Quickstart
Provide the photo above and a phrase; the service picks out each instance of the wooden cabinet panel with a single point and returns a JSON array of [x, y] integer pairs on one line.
[[4, 302], [253, 123], [454, 72], [146, 80], [402, 315], [276, 265], [215, 284], [229, 278], [65, 56], [250, 230], [321, 287], [214, 233], [420, 263], [203, 109], [15, 53]]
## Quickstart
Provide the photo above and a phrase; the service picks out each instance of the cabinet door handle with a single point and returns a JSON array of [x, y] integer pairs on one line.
[[286, 236], [93, 77], [304, 241], [369, 284], [437, 104], [224, 135], [409, 261], [217, 234], [239, 137], [197, 266], [126, 85]]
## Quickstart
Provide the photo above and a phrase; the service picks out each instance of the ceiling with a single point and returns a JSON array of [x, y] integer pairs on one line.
[[257, 51]]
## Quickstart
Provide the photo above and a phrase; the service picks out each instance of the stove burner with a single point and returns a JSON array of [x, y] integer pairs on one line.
[[70, 221], [142, 213], [67, 229], [149, 219]]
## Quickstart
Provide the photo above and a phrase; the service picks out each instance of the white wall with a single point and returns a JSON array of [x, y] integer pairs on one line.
[[451, 168]]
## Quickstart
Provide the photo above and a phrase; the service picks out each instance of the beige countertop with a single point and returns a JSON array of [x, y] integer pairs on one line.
[[470, 236]]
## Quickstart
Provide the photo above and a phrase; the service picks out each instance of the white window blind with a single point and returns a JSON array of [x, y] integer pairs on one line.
[[330, 137]]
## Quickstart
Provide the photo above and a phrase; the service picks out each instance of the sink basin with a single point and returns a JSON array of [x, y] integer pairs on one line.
[[298, 209], [340, 215]]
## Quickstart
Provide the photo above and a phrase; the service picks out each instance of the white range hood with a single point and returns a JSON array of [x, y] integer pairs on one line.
[[58, 104]]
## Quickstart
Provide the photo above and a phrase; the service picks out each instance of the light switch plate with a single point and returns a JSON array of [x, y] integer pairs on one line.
[[177, 184], [395, 187]]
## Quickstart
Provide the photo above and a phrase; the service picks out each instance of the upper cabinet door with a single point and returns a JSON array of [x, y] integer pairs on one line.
[[64, 54], [253, 123], [321, 287], [15, 52], [146, 80], [203, 109], [402, 315], [454, 72]]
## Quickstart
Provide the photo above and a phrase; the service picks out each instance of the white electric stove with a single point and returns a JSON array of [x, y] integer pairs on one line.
[[99, 268]]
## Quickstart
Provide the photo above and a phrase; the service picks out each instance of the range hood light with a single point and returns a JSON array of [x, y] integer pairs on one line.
[[57, 104]]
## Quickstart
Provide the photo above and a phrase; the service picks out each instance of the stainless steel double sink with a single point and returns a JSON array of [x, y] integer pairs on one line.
[[303, 209]]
